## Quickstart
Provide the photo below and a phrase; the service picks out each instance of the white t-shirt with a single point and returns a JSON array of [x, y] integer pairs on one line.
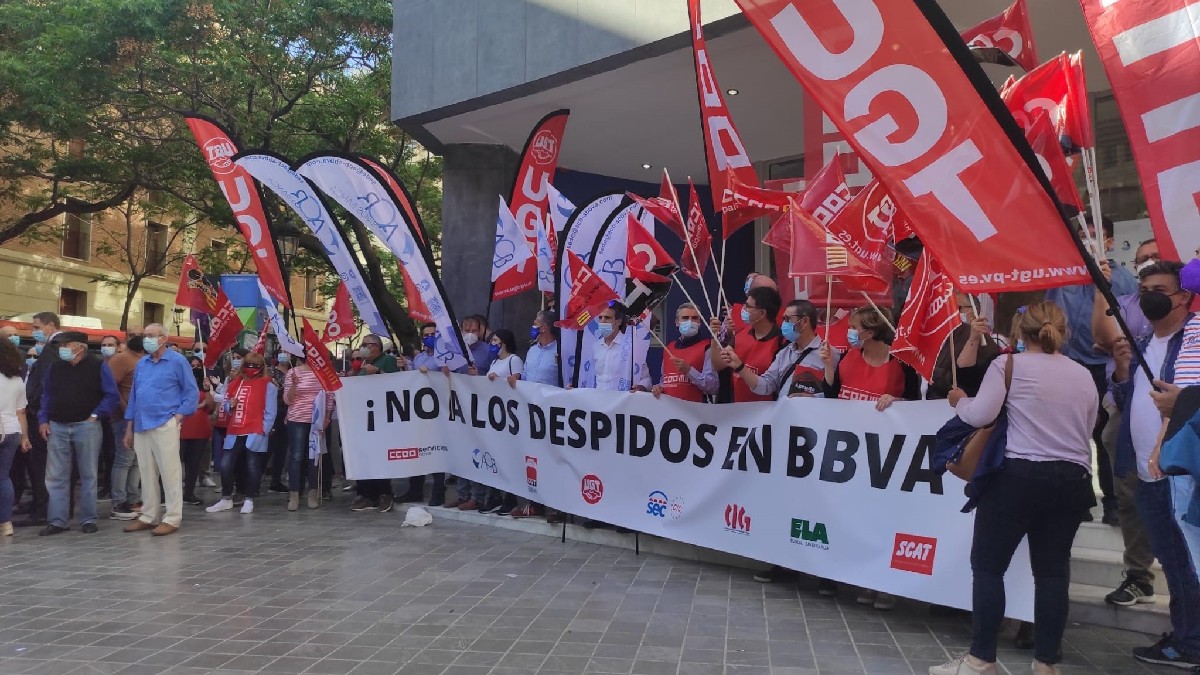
[[12, 399], [513, 365], [1144, 419]]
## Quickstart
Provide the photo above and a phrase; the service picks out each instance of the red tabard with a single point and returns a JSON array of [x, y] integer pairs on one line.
[[248, 406], [863, 382], [196, 426], [757, 355], [677, 384]]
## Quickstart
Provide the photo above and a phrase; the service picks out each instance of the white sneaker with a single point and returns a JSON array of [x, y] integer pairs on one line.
[[207, 482], [1040, 668], [964, 665], [248, 506], [223, 505]]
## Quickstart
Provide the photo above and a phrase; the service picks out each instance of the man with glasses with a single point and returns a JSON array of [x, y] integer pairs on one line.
[[374, 494], [753, 348]]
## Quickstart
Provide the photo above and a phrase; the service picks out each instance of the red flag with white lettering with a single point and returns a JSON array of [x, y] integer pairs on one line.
[[930, 315], [1044, 141], [930, 134], [698, 243], [589, 294], [823, 143], [529, 200], [724, 150], [664, 207], [864, 228], [340, 323], [317, 357], [1058, 89], [241, 192], [1151, 53], [195, 291], [1006, 39]]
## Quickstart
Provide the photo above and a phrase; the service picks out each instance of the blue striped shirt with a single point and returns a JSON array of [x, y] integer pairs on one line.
[[541, 364]]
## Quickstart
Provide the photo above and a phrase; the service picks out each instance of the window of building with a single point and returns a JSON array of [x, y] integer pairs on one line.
[[219, 248], [152, 312], [156, 249], [311, 299], [77, 237], [1121, 195], [72, 302]]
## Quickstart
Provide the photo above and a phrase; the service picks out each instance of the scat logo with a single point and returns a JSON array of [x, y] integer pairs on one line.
[[913, 553], [592, 489]]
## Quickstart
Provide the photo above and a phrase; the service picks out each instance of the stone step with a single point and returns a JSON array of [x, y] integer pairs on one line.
[[1088, 606], [1104, 568]]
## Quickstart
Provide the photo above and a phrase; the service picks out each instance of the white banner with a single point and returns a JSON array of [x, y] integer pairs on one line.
[[827, 487], [299, 195], [360, 193], [286, 342]]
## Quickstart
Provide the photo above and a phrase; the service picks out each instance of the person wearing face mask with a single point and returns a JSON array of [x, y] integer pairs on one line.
[[125, 476], [687, 371], [612, 358], [277, 445], [737, 318], [220, 425], [164, 393], [374, 494], [108, 444], [20, 466], [753, 348], [250, 403], [541, 367], [79, 391], [425, 361], [506, 365], [195, 434], [45, 328], [975, 346], [475, 335], [9, 333], [301, 389], [868, 372]]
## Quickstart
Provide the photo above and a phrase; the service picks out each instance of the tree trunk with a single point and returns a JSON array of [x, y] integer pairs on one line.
[[130, 291]]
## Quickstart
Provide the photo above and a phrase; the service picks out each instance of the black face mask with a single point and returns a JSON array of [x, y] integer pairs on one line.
[[1155, 305]]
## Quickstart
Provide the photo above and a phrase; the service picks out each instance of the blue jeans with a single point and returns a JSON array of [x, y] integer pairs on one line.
[[9, 444], [81, 440], [254, 469], [1157, 512], [126, 481], [299, 469], [1181, 496]]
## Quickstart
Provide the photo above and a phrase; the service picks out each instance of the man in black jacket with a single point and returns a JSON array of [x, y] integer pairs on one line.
[[45, 329], [77, 393]]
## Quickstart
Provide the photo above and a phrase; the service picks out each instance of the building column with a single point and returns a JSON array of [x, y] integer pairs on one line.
[[474, 176]]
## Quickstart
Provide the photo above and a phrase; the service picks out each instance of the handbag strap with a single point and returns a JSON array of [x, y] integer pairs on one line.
[[1008, 374]]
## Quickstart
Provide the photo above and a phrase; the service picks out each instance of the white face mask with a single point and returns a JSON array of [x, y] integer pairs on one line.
[[470, 339], [688, 328], [108, 351]]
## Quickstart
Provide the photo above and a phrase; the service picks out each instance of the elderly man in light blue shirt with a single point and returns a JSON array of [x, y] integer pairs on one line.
[[164, 392]]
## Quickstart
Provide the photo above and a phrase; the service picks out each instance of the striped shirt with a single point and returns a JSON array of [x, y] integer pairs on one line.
[[300, 389], [1187, 364]]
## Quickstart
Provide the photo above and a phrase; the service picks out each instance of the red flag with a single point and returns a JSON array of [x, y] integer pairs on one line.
[[529, 200], [260, 345], [751, 201], [698, 244], [723, 147], [645, 258], [930, 315], [588, 296], [225, 327], [828, 192], [1009, 35], [317, 357], [664, 207], [823, 143], [1045, 145], [341, 317], [864, 228], [836, 333], [195, 291], [1151, 54], [1057, 89], [915, 114], [243, 197]]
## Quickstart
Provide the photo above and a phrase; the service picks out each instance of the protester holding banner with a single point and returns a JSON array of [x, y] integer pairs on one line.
[[1165, 304], [1040, 491], [755, 346], [797, 369], [251, 404], [475, 335], [424, 361], [541, 367], [868, 372], [753, 280], [687, 371], [613, 358], [374, 494], [975, 346], [505, 364], [300, 389]]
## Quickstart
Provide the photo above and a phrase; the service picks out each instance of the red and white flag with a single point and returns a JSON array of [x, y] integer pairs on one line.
[[340, 323], [317, 357], [823, 142], [751, 201], [930, 315], [928, 135], [1006, 39], [529, 201], [589, 294], [723, 146], [1151, 53], [698, 243], [242, 194], [225, 327], [864, 228], [417, 308], [645, 258], [1057, 89], [197, 292], [1044, 141], [664, 207]]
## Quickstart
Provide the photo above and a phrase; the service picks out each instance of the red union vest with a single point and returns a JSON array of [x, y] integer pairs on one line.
[[677, 384], [757, 355], [863, 382], [247, 405]]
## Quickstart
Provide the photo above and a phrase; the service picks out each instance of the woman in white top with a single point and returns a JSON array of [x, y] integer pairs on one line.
[[505, 361], [13, 433]]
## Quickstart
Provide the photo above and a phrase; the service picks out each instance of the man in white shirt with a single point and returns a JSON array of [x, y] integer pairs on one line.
[[613, 356]]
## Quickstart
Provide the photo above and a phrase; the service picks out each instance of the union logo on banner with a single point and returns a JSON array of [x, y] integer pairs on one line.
[[217, 152], [544, 147], [592, 489], [914, 554]]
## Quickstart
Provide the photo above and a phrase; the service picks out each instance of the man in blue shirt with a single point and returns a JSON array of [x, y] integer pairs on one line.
[[425, 361], [164, 392], [1077, 303], [77, 393]]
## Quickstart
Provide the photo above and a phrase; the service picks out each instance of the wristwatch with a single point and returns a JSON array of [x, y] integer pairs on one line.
[[740, 368]]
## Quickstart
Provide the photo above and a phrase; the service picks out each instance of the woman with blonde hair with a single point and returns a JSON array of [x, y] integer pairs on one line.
[[869, 372], [250, 404], [1040, 491]]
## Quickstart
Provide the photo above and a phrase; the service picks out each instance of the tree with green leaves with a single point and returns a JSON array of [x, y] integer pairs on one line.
[[93, 93]]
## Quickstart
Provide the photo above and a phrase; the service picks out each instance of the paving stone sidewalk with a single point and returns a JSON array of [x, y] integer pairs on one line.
[[334, 592]]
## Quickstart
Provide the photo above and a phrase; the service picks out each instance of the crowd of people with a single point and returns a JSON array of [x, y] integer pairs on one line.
[[151, 426]]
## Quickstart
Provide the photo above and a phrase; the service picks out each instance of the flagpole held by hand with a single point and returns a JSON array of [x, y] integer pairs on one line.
[[886, 320], [953, 363], [828, 304], [975, 306]]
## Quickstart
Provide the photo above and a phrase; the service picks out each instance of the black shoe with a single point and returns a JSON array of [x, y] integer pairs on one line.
[[23, 509], [410, 497], [52, 529], [438, 499], [492, 506], [1024, 638], [32, 521], [278, 487], [1111, 517], [775, 575], [504, 510], [1164, 653], [590, 524], [89, 528], [1087, 517], [1132, 591], [193, 500], [103, 493]]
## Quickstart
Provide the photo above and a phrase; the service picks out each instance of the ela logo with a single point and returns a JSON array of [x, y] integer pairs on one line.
[[914, 554], [736, 520], [531, 473], [592, 489], [806, 533]]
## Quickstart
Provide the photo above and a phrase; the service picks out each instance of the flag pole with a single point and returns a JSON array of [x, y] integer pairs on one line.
[[886, 320], [828, 304], [687, 243], [975, 306], [661, 344], [953, 363], [689, 297], [1093, 188]]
